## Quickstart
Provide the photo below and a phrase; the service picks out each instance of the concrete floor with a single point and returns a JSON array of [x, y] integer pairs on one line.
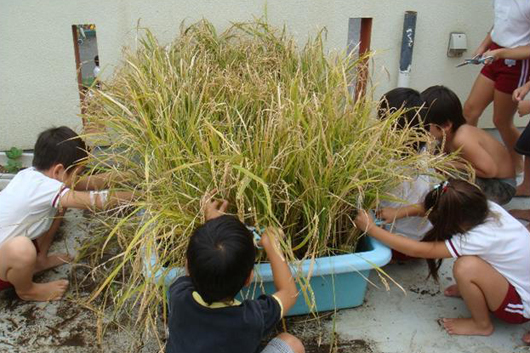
[[389, 321]]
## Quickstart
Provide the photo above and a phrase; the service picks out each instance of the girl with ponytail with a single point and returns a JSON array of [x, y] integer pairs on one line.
[[492, 251]]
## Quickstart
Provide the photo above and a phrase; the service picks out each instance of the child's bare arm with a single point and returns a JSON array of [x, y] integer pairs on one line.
[[286, 290], [390, 214], [519, 53], [425, 250], [523, 108], [99, 181], [477, 156], [94, 200]]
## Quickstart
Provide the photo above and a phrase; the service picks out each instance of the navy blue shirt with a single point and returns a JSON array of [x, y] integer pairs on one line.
[[196, 328]]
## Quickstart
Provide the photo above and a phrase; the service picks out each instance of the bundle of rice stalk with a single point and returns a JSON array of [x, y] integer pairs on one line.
[[271, 126]]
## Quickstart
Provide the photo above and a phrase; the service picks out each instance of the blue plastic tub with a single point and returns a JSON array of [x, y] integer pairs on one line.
[[337, 282]]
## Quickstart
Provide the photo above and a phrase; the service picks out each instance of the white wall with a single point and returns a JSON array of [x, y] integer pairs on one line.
[[38, 86]]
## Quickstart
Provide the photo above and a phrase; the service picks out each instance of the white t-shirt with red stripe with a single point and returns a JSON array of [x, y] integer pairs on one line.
[[511, 26], [504, 243], [28, 204]]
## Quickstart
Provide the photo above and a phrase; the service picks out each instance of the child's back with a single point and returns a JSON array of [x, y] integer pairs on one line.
[[28, 204], [203, 314], [469, 134], [494, 169]]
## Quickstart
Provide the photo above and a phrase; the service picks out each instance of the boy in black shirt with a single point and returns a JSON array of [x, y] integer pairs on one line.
[[204, 317]]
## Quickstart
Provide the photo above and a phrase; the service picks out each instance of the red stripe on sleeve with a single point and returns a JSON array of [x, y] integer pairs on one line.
[[453, 247]]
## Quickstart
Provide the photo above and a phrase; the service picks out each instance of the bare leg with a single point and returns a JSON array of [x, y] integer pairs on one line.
[[503, 110], [45, 261], [524, 188], [18, 258], [479, 98], [483, 289], [293, 342]]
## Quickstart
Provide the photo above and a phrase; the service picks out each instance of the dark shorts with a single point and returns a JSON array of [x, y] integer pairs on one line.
[[508, 74], [523, 143], [500, 191], [511, 309], [399, 256], [4, 284]]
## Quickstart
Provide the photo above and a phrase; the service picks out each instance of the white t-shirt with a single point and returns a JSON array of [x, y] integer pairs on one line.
[[28, 204], [511, 27], [504, 243], [410, 192]]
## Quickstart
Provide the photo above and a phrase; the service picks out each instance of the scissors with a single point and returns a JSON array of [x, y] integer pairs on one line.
[[257, 235], [476, 60]]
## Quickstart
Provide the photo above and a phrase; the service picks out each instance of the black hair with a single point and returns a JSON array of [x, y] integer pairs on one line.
[[96, 60], [60, 145], [221, 256], [403, 98], [443, 106], [453, 207]]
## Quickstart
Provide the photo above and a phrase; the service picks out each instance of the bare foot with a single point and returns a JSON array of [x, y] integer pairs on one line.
[[526, 338], [452, 291], [51, 261], [466, 327], [521, 214], [43, 292], [522, 190]]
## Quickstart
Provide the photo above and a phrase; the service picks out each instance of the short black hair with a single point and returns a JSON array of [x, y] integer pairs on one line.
[[443, 106], [221, 256], [96, 60], [59, 145], [403, 98]]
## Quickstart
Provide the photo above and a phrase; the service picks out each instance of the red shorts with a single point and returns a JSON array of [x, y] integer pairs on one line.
[[4, 284], [511, 309], [508, 74]]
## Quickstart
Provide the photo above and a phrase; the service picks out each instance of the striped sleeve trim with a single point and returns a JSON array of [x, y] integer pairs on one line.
[[57, 199], [280, 304], [451, 247]]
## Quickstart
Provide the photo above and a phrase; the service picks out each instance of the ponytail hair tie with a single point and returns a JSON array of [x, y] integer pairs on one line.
[[443, 186]]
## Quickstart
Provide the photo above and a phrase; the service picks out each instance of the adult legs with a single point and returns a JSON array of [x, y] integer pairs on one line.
[[479, 98], [503, 111], [18, 259], [483, 289]]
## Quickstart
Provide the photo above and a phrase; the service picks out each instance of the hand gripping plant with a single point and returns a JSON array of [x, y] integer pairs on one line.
[[271, 126]]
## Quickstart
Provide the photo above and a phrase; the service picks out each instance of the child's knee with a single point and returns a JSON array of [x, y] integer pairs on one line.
[[20, 250], [465, 267], [471, 111], [296, 345]]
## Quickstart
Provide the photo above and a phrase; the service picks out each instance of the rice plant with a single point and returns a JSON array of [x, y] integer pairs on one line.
[[271, 126]]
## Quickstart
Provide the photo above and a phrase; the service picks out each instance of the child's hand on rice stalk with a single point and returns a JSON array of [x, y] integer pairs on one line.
[[270, 240], [388, 214], [364, 221], [213, 208]]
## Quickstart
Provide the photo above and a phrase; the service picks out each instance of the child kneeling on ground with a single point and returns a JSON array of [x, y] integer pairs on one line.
[[494, 168], [31, 210], [491, 247], [204, 315]]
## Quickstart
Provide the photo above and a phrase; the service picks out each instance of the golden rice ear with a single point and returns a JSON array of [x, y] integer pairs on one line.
[[246, 111]]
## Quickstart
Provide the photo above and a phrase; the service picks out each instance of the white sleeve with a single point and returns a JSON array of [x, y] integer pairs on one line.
[[47, 194], [466, 244]]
